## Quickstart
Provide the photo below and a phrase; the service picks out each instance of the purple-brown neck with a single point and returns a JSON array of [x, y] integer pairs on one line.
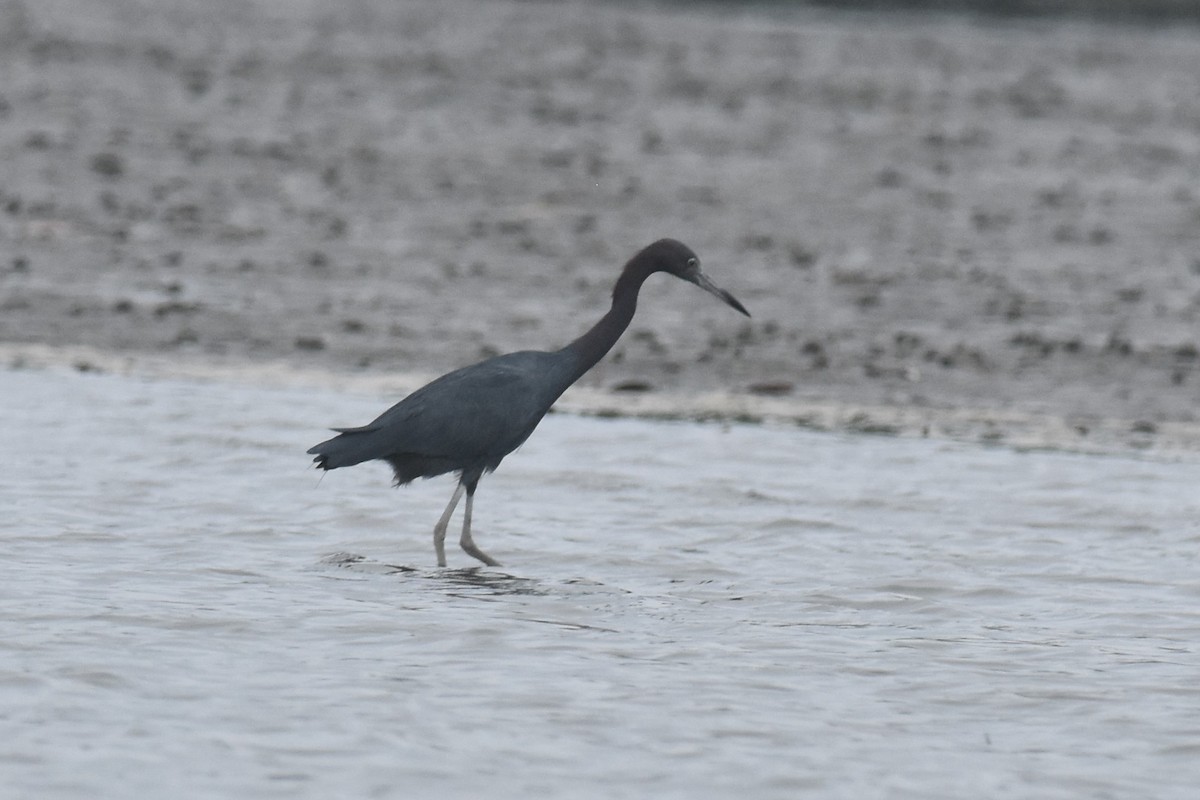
[[593, 345]]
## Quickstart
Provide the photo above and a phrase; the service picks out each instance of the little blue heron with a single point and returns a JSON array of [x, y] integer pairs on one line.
[[468, 420]]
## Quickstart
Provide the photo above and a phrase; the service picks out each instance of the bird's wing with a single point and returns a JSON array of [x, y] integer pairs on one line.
[[482, 411]]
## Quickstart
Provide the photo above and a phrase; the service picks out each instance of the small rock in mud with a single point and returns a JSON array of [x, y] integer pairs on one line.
[[110, 165], [310, 343], [771, 388]]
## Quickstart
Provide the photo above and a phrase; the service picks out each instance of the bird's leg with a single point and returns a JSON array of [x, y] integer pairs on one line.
[[466, 541], [439, 530]]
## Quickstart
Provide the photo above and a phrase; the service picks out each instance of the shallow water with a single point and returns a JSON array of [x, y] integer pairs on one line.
[[684, 611]]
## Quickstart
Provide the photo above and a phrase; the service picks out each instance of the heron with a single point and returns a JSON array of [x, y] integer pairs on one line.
[[468, 420]]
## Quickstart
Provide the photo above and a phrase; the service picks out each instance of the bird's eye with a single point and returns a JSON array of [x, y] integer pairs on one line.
[[692, 263]]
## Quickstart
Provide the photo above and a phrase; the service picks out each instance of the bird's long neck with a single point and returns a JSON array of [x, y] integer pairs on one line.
[[593, 345]]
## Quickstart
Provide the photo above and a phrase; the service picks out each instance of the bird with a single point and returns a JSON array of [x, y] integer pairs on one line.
[[468, 420]]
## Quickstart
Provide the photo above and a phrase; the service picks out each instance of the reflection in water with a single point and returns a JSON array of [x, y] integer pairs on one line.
[[482, 580]]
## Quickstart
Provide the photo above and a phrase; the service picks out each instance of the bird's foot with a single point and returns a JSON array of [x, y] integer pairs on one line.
[[476, 553]]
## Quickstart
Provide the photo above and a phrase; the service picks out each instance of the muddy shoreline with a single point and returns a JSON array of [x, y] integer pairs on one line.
[[951, 226]]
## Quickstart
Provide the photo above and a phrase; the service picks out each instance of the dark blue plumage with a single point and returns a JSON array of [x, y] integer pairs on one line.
[[468, 420], [496, 405]]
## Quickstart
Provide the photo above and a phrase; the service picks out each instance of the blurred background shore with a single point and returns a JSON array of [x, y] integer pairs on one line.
[[1160, 11], [981, 222]]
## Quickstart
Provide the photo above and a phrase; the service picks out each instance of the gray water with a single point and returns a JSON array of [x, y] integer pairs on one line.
[[685, 611]]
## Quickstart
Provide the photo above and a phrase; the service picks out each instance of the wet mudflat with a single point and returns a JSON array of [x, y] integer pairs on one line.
[[685, 611], [921, 211]]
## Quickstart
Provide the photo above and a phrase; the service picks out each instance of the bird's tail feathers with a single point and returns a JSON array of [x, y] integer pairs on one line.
[[351, 446]]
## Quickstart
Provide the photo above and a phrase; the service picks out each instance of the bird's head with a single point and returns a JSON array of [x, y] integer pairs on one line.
[[675, 257]]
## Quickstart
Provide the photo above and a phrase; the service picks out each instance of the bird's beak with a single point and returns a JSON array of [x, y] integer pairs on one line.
[[704, 283]]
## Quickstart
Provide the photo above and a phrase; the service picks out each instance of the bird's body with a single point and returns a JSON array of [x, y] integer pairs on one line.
[[497, 405], [468, 420]]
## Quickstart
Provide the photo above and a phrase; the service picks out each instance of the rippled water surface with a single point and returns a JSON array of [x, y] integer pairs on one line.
[[685, 611]]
